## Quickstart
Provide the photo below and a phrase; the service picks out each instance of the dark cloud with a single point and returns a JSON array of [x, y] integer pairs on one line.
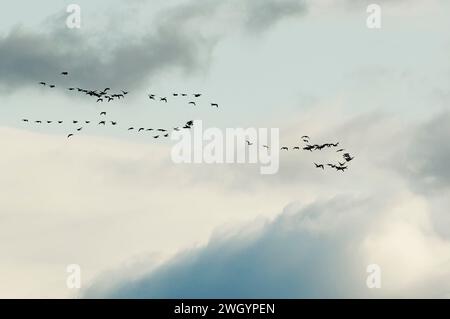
[[306, 252], [176, 41]]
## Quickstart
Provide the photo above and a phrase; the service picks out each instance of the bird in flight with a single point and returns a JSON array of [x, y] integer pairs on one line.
[[103, 113], [193, 103], [39, 122], [79, 129], [102, 123], [162, 130], [151, 96], [42, 83], [167, 135], [175, 94], [184, 94], [157, 136], [319, 166], [266, 146], [60, 122], [285, 148], [131, 128], [71, 89], [248, 143], [296, 148], [24, 120], [125, 93], [69, 136], [52, 86], [163, 99], [49, 122], [141, 129], [197, 95], [341, 168], [113, 123], [214, 105], [99, 100], [340, 150], [75, 122], [64, 73]]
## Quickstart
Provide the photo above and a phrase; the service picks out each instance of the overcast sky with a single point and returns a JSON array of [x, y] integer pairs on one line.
[[141, 226]]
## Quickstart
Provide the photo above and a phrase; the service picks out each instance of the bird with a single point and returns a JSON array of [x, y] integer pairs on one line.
[[163, 99], [110, 99], [331, 165], [113, 123], [215, 105], [197, 95], [100, 100], [348, 158], [103, 113], [167, 135], [190, 123], [248, 143], [131, 128], [79, 129], [71, 89], [24, 120], [296, 148], [52, 86], [141, 129], [102, 123], [42, 83], [125, 93], [341, 168], [64, 73], [285, 148], [87, 122], [151, 96], [309, 148], [39, 122], [266, 146], [340, 150], [319, 166], [193, 103], [60, 122], [162, 130], [184, 94], [306, 137], [49, 122], [69, 136], [176, 129], [75, 122], [341, 164], [149, 129], [157, 136], [175, 94]]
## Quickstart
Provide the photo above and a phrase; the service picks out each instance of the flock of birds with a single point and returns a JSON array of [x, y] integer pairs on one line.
[[339, 166], [107, 96]]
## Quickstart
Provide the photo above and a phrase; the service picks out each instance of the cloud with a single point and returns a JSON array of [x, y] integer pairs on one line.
[[309, 251], [179, 38]]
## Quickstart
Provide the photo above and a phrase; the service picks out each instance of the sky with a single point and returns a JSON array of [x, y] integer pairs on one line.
[[141, 226]]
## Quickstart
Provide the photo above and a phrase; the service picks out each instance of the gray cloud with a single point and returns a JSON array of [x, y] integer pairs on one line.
[[182, 39], [315, 251]]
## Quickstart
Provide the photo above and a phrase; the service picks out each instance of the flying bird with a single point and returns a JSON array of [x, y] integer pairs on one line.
[[52, 86], [285, 148], [215, 105], [193, 103], [42, 83], [163, 99], [131, 128], [340, 150], [113, 123], [248, 143], [64, 73], [157, 136], [151, 96], [197, 95], [319, 166], [79, 129], [102, 123], [24, 120], [141, 129], [125, 93], [103, 113]]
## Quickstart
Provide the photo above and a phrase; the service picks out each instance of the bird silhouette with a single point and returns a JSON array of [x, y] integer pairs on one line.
[[60, 122], [102, 123], [39, 122], [79, 129], [163, 99], [75, 122], [124, 92], [100, 100], [285, 148], [151, 96], [69, 136], [49, 122], [42, 83], [296, 148], [197, 95], [175, 94], [64, 73], [103, 113], [157, 136], [193, 103], [340, 150], [319, 166], [131, 128], [214, 105], [24, 120], [141, 129], [71, 89], [248, 143], [167, 135], [113, 123], [52, 86]]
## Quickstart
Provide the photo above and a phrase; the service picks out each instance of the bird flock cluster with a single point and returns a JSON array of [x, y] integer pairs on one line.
[[339, 166], [107, 96], [178, 95]]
